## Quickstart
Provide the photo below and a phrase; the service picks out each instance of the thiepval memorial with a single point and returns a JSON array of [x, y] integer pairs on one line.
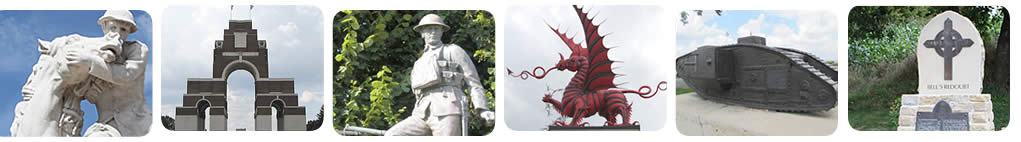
[[240, 49], [950, 67]]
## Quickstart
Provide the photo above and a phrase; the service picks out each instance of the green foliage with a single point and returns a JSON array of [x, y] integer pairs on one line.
[[168, 122], [894, 45], [884, 34], [1001, 104], [374, 52], [894, 110], [312, 125]]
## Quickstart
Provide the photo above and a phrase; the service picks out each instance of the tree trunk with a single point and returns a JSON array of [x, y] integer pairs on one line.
[[1002, 70]]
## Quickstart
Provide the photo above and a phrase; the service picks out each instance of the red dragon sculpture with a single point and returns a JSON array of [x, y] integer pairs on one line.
[[591, 90]]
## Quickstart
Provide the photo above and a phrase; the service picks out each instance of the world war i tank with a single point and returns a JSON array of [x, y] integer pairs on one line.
[[754, 75]]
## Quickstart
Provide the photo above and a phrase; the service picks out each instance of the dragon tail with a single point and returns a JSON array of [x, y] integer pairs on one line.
[[525, 74], [647, 90]]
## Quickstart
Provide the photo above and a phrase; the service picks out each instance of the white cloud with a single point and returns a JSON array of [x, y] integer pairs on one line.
[[310, 97], [754, 26], [288, 27], [697, 27], [241, 113], [816, 33], [169, 109], [813, 32]]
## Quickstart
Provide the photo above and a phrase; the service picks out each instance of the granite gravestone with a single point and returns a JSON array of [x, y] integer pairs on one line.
[[950, 69]]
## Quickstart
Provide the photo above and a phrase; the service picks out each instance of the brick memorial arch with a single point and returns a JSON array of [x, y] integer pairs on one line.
[[240, 49]]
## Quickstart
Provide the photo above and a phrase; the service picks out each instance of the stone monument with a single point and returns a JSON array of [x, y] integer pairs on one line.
[[950, 70], [240, 50], [107, 71], [438, 81]]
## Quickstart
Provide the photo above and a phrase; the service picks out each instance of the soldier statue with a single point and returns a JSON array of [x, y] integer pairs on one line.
[[107, 71], [438, 81]]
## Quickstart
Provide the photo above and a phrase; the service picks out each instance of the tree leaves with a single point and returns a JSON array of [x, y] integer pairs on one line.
[[886, 34]]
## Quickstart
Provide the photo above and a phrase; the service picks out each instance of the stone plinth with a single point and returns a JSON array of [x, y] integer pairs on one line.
[[979, 108], [596, 128]]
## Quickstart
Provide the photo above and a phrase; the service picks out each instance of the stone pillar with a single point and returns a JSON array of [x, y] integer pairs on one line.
[[294, 119], [217, 118], [264, 118], [186, 123]]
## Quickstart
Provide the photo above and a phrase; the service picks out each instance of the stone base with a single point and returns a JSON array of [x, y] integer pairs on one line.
[[596, 128], [697, 117], [978, 106]]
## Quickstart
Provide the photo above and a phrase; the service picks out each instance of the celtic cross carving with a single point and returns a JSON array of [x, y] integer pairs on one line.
[[948, 43]]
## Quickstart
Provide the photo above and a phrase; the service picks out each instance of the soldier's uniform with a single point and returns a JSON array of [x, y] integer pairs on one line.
[[121, 105], [438, 81]]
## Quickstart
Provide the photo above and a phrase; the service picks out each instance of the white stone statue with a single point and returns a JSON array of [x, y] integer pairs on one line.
[[107, 71], [438, 81]]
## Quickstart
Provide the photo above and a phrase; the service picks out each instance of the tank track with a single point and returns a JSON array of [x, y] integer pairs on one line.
[[814, 59], [798, 58]]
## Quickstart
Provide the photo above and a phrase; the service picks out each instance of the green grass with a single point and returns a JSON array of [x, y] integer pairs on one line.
[[1001, 104], [874, 107], [684, 91]]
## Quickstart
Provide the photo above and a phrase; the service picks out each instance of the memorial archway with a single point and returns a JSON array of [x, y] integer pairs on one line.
[[239, 50]]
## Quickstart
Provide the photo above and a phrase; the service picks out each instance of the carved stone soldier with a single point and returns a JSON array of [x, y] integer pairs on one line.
[[438, 81], [107, 71], [121, 105]]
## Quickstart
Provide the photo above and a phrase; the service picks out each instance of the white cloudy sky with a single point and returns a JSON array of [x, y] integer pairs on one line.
[[811, 31], [638, 34], [295, 38]]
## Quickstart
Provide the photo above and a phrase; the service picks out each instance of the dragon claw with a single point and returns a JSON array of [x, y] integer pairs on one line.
[[547, 98], [558, 123]]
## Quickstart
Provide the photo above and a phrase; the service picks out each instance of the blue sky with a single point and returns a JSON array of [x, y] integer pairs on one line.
[[18, 43], [811, 31]]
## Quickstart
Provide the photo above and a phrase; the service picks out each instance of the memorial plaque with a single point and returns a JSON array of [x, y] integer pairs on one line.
[[942, 118]]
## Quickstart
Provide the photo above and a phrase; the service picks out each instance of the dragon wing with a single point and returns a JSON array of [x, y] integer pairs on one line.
[[600, 71], [600, 75]]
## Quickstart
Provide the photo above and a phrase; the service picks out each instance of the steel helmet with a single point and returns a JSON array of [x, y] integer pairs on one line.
[[119, 15], [431, 19]]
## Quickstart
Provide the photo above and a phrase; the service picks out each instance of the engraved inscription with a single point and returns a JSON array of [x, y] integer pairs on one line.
[[942, 118]]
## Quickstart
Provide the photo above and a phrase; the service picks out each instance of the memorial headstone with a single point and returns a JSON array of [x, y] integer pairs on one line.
[[950, 66]]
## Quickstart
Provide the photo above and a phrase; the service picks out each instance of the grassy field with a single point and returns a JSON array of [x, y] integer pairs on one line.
[[875, 107], [684, 91]]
